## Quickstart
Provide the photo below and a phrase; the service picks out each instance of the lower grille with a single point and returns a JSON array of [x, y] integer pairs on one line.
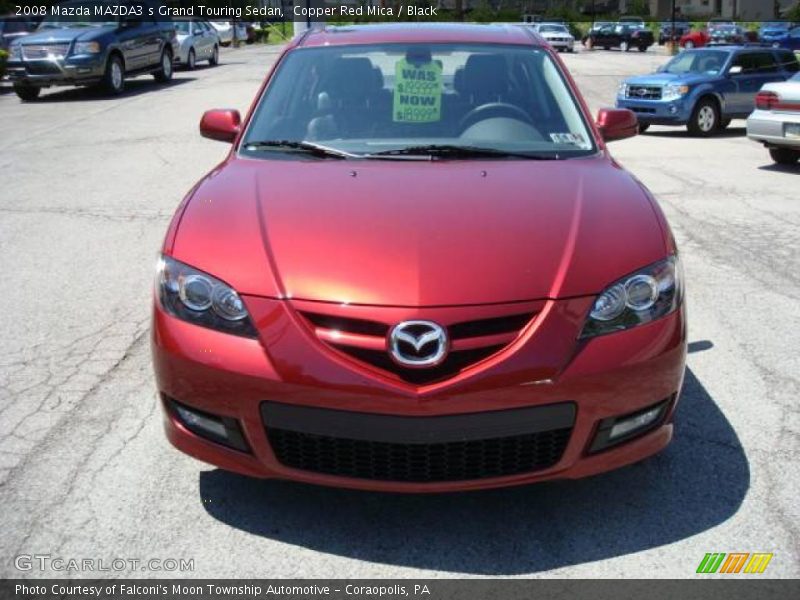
[[419, 463], [418, 449], [42, 68]]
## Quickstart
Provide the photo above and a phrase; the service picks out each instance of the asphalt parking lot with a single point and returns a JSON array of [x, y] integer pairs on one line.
[[87, 187]]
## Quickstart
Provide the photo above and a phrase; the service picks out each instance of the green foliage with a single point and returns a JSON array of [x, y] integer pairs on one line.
[[639, 8], [3, 59], [794, 13]]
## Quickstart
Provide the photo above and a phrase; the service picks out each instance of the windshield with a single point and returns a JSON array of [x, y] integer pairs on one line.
[[368, 99], [60, 22], [181, 26], [708, 62]]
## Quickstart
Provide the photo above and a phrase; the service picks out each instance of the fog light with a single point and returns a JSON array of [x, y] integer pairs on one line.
[[673, 109], [195, 420], [222, 430], [616, 430], [626, 426]]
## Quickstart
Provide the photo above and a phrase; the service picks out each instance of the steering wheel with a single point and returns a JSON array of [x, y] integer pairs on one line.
[[488, 110]]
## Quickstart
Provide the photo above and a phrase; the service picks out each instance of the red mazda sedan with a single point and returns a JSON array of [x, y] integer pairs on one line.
[[419, 269]]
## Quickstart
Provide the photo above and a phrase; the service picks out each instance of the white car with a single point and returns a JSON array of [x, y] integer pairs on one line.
[[195, 41], [557, 35], [225, 31], [776, 120]]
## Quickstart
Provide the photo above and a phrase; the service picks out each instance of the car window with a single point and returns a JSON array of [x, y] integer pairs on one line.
[[365, 99], [745, 61], [182, 27], [764, 62], [788, 61], [708, 62]]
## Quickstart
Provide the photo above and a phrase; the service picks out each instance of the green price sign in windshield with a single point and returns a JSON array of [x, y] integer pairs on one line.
[[417, 92]]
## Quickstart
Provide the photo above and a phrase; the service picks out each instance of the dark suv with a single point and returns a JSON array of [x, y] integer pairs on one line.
[[86, 51]]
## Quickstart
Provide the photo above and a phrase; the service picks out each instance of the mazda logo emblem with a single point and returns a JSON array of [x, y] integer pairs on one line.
[[418, 343]]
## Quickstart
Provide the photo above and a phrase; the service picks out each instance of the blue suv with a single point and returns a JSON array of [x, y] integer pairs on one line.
[[705, 88]]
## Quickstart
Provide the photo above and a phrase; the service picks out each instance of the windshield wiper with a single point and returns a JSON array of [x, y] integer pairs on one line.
[[302, 146], [433, 151]]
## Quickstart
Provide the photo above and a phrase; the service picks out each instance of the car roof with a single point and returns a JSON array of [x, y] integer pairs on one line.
[[420, 33]]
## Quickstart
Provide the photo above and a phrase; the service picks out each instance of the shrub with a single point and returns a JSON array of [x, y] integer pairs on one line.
[[3, 59]]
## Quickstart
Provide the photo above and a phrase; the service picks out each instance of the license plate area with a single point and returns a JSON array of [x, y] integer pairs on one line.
[[792, 131]]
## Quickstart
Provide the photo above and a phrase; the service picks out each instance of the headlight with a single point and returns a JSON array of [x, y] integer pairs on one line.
[[639, 298], [673, 92], [622, 91], [199, 298], [86, 48], [15, 52]]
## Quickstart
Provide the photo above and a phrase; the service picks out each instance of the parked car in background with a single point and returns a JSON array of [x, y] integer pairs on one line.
[[632, 20], [667, 32], [705, 88], [244, 32], [224, 31], [790, 40], [67, 51], [771, 33], [596, 26], [195, 40], [726, 34], [776, 120], [557, 35], [694, 38], [624, 36], [13, 28]]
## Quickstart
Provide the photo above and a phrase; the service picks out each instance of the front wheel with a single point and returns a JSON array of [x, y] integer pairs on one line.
[[114, 77], [642, 48], [164, 73], [785, 156], [191, 61], [214, 60], [27, 93], [705, 118]]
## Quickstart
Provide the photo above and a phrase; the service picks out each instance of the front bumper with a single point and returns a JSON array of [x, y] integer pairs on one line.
[[74, 70], [235, 378], [770, 128], [658, 112]]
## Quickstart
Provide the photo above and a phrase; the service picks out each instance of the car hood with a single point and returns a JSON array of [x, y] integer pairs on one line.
[[668, 78], [419, 233], [55, 36]]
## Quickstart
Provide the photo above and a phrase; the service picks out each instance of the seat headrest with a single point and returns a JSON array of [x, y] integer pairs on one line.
[[486, 74]]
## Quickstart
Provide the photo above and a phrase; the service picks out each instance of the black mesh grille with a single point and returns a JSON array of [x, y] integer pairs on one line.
[[421, 463]]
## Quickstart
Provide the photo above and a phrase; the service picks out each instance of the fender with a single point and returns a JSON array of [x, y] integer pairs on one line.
[[711, 89]]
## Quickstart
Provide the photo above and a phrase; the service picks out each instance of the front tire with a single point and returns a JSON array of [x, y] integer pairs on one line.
[[114, 77], [214, 60], [785, 156], [642, 48], [164, 74], [191, 60], [705, 118], [27, 93]]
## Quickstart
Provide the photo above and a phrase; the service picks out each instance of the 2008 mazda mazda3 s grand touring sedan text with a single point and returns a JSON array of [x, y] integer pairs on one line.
[[419, 269]]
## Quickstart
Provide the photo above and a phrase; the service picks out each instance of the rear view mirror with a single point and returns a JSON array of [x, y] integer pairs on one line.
[[617, 124], [221, 124]]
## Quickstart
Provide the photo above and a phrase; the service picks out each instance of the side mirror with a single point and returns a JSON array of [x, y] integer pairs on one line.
[[221, 124], [617, 124], [735, 70]]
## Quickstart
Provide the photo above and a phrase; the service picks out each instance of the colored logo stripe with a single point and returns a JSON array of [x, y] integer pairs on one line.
[[735, 561]]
